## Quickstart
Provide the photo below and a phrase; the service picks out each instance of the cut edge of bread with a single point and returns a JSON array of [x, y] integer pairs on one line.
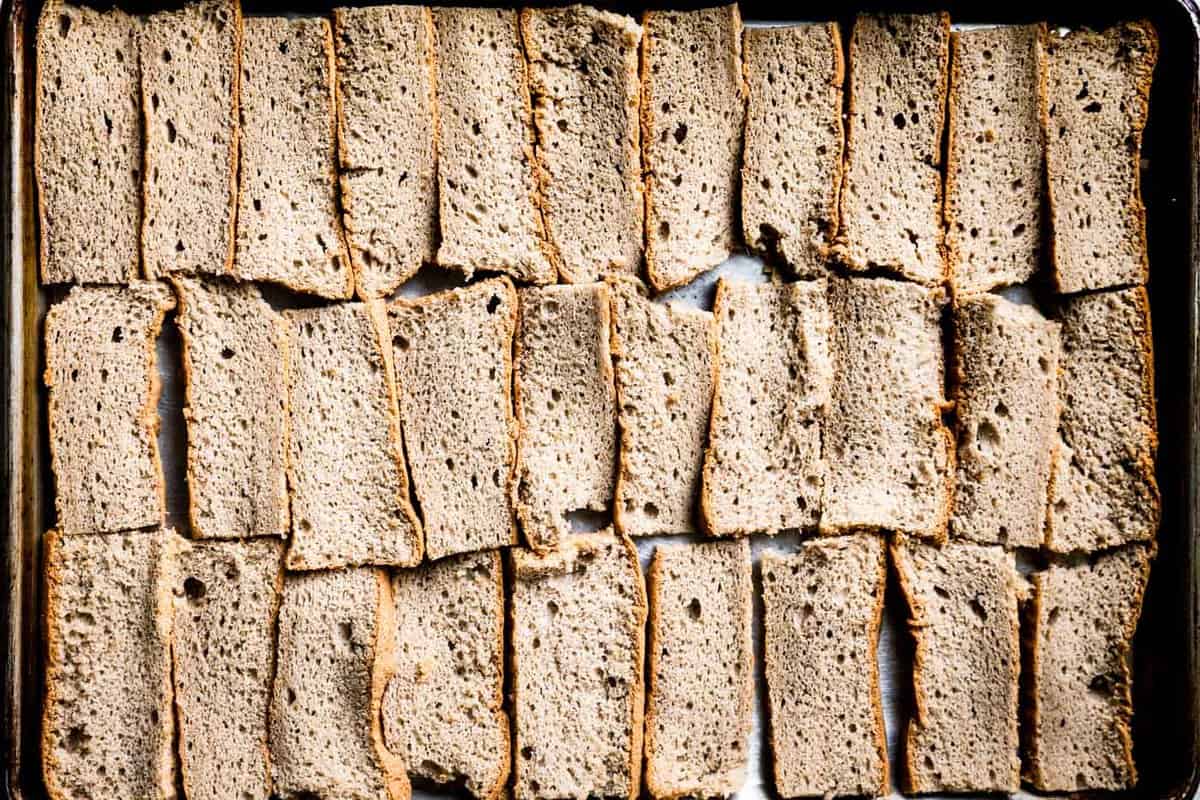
[[661, 283], [653, 621], [950, 253]]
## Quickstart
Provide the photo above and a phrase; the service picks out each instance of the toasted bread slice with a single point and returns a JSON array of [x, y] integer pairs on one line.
[[578, 640]]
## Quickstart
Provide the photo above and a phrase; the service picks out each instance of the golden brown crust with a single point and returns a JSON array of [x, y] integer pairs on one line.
[[876, 699], [54, 656], [377, 313], [394, 772], [709, 464], [332, 161], [505, 744], [637, 693]]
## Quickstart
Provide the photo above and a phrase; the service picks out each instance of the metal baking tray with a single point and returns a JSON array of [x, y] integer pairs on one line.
[[1166, 656]]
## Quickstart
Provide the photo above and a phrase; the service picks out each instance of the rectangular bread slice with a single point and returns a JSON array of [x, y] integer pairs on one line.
[[235, 362], [387, 132], [891, 205], [1103, 491], [102, 376], [1096, 102], [1006, 362], [334, 657], [701, 696], [223, 647], [288, 227], [88, 144], [792, 157], [665, 370], [962, 606], [1084, 618], [566, 409], [994, 159], [889, 456], [488, 177], [763, 469], [583, 77], [578, 628], [191, 70], [443, 710], [346, 470], [453, 353], [692, 113], [108, 722], [822, 607]]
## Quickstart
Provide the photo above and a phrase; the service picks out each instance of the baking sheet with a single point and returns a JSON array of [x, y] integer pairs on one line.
[[1165, 677]]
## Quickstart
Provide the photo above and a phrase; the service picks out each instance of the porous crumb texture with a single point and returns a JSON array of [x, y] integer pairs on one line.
[[333, 660], [190, 60], [1103, 491], [822, 607], [701, 694], [891, 207], [488, 177], [792, 158], [763, 470], [443, 708], [102, 411], [226, 596], [578, 627], [387, 130], [346, 471], [1006, 362], [88, 144], [692, 112], [566, 409], [107, 722], [994, 161], [889, 455], [962, 606], [234, 358], [453, 353], [663, 363], [289, 229], [1096, 102], [583, 77], [1085, 615]]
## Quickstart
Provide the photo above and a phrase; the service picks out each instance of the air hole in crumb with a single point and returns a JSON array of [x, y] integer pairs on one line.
[[227, 353], [118, 335], [978, 609], [493, 304], [899, 121], [693, 608], [650, 510], [680, 133], [194, 589]]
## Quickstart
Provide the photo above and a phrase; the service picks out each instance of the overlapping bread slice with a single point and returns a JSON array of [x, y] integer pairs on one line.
[[1084, 617], [663, 362], [108, 721], [1006, 360], [994, 159], [566, 408], [962, 606], [701, 673], [578, 627], [792, 158], [102, 376], [1103, 491], [226, 597], [488, 177], [443, 708], [583, 77], [891, 193], [387, 132], [191, 71], [822, 607], [235, 362], [453, 353], [692, 114], [289, 230], [346, 469], [88, 144], [889, 455], [1096, 102], [334, 657], [763, 471]]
